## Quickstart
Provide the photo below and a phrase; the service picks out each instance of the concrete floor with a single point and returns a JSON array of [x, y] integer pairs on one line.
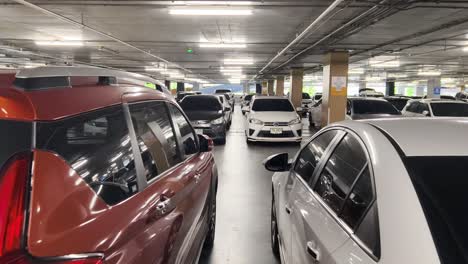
[[244, 198]]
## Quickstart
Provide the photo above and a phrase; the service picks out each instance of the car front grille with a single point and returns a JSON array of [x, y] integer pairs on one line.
[[285, 134], [276, 124]]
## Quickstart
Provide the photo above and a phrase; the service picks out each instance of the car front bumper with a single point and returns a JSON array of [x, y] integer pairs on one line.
[[262, 133]]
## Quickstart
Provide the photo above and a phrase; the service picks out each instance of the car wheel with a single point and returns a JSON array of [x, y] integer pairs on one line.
[[210, 236], [274, 231]]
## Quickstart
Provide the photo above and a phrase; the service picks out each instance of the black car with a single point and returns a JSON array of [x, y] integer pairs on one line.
[[206, 115], [370, 108], [399, 102], [181, 95]]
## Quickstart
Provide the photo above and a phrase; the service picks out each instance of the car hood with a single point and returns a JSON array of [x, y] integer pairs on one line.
[[274, 116], [372, 116], [203, 115]]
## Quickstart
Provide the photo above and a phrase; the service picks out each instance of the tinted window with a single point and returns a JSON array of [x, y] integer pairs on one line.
[[311, 155], [14, 137], [272, 105], [342, 169], [305, 96], [358, 200], [248, 97], [317, 97], [97, 146], [155, 136], [441, 184], [189, 140], [398, 103], [450, 109], [368, 231], [413, 107], [373, 107], [201, 103]]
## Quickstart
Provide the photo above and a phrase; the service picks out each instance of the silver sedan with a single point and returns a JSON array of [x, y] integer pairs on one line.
[[374, 191]]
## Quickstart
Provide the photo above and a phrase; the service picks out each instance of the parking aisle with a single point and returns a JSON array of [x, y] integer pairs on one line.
[[244, 198]]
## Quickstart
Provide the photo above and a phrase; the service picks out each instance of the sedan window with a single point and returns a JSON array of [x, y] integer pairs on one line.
[[272, 105], [450, 109]]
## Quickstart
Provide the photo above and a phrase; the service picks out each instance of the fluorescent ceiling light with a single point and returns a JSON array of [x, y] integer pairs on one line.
[[210, 12], [385, 64], [356, 71], [211, 3], [231, 70], [465, 49], [429, 73], [373, 78], [235, 76], [234, 80], [59, 43], [2, 55], [397, 75], [154, 69], [238, 61], [223, 45]]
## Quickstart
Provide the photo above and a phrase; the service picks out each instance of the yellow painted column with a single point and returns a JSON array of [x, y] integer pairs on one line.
[[271, 87], [264, 87], [297, 75], [335, 87], [280, 85]]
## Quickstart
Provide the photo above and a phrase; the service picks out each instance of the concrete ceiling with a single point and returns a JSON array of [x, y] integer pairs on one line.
[[419, 34]]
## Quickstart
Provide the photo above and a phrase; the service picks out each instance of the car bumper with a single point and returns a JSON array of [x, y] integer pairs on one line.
[[292, 133], [213, 131]]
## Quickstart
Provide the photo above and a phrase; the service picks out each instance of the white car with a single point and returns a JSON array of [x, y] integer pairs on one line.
[[377, 191], [369, 92], [435, 108], [274, 119]]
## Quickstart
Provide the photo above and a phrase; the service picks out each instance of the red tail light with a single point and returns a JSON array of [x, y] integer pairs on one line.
[[13, 186]]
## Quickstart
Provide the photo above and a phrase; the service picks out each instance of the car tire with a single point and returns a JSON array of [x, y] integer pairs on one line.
[[274, 231], [210, 236]]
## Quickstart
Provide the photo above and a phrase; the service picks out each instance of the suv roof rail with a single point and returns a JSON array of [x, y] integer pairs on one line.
[[54, 72]]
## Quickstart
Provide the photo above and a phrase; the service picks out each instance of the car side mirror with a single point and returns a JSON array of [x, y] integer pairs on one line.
[[426, 113], [206, 143], [227, 109], [277, 163]]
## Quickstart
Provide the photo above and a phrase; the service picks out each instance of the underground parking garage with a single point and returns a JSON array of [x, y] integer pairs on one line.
[[232, 132]]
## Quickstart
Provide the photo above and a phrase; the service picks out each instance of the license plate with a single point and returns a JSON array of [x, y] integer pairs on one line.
[[276, 131], [199, 131]]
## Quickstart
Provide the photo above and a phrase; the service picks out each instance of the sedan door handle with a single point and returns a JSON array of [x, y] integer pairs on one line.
[[313, 251], [288, 210]]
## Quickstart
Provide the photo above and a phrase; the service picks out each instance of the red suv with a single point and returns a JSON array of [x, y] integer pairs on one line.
[[96, 167]]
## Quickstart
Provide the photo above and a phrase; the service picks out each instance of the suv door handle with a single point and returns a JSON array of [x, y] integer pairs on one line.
[[288, 209], [313, 251]]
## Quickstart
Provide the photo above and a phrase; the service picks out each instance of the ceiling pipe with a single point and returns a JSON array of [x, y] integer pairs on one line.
[[304, 33], [76, 23]]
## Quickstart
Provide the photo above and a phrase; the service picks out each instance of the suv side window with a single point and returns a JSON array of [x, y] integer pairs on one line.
[[340, 173], [412, 107], [156, 137], [311, 155], [97, 146], [187, 134]]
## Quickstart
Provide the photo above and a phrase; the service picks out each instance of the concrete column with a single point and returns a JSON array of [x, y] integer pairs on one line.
[[168, 84], [433, 87], [271, 87], [196, 87], [390, 87], [297, 76], [335, 87], [264, 87], [280, 85], [180, 86], [258, 88]]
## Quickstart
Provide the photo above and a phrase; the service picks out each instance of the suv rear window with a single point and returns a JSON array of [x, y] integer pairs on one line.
[[373, 107], [450, 109], [440, 183], [15, 137], [97, 146]]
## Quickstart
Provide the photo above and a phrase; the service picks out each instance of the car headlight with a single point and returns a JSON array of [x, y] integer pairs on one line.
[[255, 121], [217, 121], [295, 121]]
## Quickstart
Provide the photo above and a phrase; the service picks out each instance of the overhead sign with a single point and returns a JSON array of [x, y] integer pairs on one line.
[[339, 86], [437, 91]]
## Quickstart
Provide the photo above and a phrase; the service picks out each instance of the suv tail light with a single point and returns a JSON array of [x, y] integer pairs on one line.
[[13, 204]]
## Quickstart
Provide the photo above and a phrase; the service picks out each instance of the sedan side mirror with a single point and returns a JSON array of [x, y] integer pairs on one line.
[[277, 163], [426, 113], [206, 143]]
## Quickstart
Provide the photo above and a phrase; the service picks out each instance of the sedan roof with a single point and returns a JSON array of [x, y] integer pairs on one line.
[[427, 136]]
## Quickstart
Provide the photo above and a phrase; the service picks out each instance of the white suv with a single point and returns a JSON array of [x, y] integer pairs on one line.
[[273, 119]]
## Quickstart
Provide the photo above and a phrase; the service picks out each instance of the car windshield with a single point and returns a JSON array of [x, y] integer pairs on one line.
[[305, 96], [362, 107], [272, 105], [449, 109], [201, 103], [398, 103], [317, 97], [248, 97], [441, 185]]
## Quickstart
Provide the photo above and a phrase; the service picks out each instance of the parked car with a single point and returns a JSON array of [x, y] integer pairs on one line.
[[317, 97], [462, 96], [359, 108], [273, 119], [226, 109], [306, 104], [230, 99], [92, 173], [207, 115], [399, 102], [230, 95], [370, 192], [436, 108], [181, 95], [369, 92], [245, 106]]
